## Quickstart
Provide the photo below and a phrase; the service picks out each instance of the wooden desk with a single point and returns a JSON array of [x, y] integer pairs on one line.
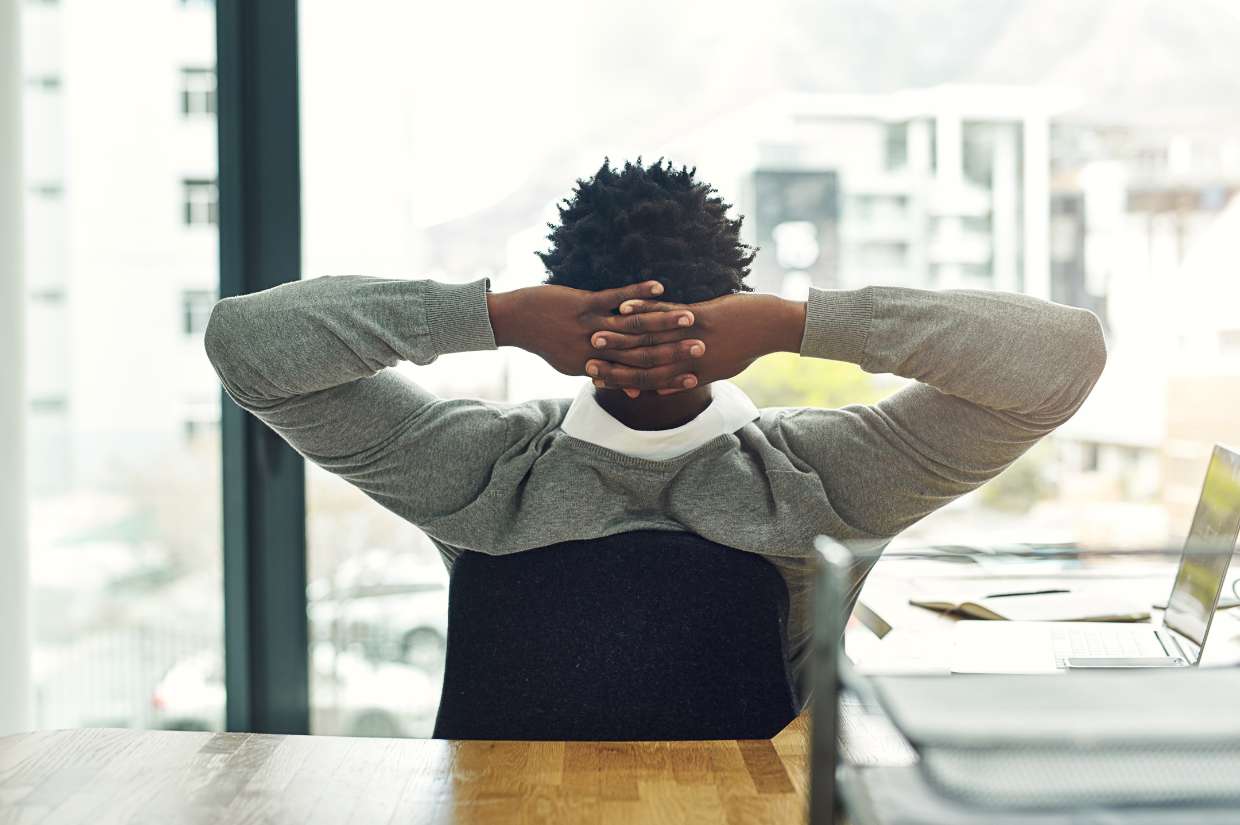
[[103, 776]]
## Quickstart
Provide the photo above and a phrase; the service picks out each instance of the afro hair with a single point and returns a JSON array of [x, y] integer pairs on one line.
[[648, 223]]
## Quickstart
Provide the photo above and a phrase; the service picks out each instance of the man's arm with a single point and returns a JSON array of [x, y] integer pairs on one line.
[[996, 372], [309, 359]]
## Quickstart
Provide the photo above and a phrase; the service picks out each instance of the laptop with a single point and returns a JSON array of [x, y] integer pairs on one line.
[[1047, 647]]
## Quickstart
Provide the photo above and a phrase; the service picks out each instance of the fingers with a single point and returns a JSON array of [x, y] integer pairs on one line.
[[632, 307], [681, 383], [646, 345], [608, 374], [608, 299], [655, 356], [604, 340], [648, 322]]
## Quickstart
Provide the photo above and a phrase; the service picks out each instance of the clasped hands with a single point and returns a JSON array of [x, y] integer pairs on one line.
[[628, 339]]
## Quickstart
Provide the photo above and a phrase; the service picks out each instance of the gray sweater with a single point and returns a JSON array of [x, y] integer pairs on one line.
[[994, 372]]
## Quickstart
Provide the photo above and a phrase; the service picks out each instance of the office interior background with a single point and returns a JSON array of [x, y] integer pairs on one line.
[[1086, 152]]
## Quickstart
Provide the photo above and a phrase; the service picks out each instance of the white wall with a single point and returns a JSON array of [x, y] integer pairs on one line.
[[14, 625]]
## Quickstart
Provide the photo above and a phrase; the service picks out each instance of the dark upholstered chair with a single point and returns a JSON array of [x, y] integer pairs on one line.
[[642, 635]]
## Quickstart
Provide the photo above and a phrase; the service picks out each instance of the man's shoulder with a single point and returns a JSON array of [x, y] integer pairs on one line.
[[533, 413], [517, 418], [777, 422], [775, 416]]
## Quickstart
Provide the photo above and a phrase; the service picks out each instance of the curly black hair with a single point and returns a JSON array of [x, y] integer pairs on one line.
[[643, 223]]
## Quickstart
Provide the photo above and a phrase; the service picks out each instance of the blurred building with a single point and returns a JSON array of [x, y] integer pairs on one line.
[[1203, 390], [1200, 412], [1152, 218], [942, 187], [121, 252]]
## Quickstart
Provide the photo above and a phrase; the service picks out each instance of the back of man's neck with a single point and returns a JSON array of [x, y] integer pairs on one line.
[[650, 411]]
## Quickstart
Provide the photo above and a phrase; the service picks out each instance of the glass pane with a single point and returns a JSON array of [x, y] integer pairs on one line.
[[124, 408], [437, 141]]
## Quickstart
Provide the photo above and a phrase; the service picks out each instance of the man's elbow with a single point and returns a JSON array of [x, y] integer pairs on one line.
[[1090, 347], [1084, 356], [222, 333]]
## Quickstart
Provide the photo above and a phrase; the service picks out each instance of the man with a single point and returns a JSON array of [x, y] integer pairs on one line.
[[646, 294]]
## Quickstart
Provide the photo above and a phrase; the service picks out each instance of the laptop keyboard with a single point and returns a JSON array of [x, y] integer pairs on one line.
[[1104, 642]]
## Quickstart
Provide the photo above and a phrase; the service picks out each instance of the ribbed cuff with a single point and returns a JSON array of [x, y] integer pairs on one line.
[[837, 324], [458, 317]]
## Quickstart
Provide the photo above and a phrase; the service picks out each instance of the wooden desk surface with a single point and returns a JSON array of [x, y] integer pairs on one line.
[[104, 776]]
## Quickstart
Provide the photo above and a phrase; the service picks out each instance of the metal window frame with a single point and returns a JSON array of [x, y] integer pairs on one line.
[[265, 625]]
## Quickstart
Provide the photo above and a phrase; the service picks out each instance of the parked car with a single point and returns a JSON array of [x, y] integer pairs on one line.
[[388, 606], [351, 695]]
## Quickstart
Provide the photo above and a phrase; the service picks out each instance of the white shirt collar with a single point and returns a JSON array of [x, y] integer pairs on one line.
[[729, 410]]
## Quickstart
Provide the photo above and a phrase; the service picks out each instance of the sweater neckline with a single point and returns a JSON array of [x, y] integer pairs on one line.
[[651, 465], [729, 410]]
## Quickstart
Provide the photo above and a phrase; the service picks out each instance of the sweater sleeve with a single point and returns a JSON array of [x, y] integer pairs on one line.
[[993, 373], [311, 358]]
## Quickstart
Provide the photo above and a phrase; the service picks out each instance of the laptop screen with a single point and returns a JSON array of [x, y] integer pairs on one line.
[[1208, 550]]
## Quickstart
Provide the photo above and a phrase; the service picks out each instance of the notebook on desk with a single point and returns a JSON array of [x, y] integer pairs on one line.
[[1055, 605]]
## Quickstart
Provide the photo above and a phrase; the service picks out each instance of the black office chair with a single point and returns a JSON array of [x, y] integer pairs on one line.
[[643, 635]]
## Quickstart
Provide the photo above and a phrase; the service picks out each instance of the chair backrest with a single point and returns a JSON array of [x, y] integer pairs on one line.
[[637, 636]]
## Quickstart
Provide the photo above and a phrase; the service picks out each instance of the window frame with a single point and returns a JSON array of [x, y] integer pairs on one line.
[[266, 639]]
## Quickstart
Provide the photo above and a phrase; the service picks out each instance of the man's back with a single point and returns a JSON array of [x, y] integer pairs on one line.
[[656, 441], [308, 359]]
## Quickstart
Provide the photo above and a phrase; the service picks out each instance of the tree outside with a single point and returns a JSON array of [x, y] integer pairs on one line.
[[787, 380]]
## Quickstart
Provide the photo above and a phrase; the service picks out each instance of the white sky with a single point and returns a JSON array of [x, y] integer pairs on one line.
[[460, 99]]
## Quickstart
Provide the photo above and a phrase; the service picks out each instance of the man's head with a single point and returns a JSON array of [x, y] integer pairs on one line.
[[648, 222]]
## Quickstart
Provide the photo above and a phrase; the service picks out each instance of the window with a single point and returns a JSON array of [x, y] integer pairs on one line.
[[197, 91], [49, 404], [904, 169], [48, 295], [883, 256], [1064, 237], [194, 430], [1229, 342], [46, 189], [978, 153], [1093, 456], [201, 202], [896, 146], [196, 310], [124, 511], [45, 83], [886, 209]]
